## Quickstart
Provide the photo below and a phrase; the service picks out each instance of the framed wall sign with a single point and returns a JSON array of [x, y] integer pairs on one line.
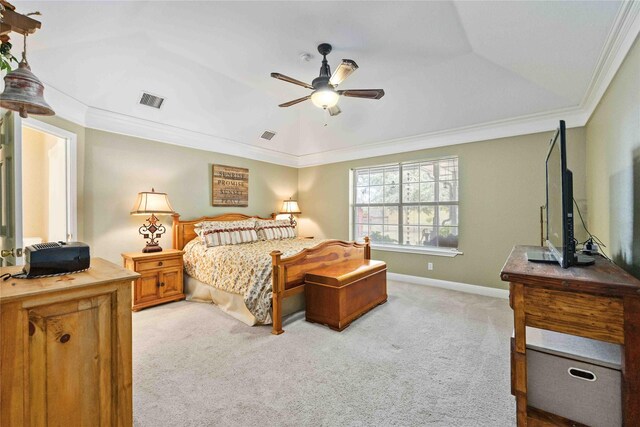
[[230, 186]]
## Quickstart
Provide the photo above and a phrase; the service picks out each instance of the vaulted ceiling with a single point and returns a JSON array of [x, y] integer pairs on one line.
[[448, 69]]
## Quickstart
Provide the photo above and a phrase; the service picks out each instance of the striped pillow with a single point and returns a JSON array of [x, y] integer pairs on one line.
[[275, 229], [218, 233]]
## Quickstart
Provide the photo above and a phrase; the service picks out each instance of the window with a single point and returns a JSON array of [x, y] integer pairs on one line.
[[408, 204]]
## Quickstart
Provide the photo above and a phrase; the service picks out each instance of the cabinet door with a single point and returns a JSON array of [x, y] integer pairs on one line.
[[71, 362], [171, 282], [147, 288]]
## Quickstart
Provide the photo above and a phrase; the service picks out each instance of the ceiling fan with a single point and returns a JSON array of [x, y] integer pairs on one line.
[[324, 93]]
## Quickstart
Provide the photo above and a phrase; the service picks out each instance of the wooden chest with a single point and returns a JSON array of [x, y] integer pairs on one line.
[[338, 294]]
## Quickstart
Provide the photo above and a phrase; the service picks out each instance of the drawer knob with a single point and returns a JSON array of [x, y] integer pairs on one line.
[[160, 263], [161, 283], [65, 338]]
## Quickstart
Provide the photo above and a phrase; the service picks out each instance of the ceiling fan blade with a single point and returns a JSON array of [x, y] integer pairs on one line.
[[363, 93], [291, 80], [334, 111], [295, 101], [344, 70]]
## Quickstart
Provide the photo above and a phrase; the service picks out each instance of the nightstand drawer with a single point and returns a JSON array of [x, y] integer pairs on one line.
[[147, 265]]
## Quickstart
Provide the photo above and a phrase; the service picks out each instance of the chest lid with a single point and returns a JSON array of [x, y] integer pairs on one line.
[[346, 272]]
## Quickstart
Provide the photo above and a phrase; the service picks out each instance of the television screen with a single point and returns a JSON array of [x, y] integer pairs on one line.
[[555, 215]]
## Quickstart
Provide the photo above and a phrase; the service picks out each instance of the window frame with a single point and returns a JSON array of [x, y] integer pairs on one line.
[[401, 204]]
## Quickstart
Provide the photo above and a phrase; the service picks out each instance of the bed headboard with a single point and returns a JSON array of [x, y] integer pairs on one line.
[[183, 230]]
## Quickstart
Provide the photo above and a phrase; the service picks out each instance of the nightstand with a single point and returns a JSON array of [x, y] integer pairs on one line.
[[160, 278]]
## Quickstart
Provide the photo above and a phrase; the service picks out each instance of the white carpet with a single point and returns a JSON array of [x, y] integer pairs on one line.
[[427, 357]]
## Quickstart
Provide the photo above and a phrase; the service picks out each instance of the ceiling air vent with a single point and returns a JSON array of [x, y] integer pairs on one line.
[[268, 135], [151, 100]]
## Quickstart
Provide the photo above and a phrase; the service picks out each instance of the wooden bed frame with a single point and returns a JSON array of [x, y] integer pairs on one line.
[[288, 273]]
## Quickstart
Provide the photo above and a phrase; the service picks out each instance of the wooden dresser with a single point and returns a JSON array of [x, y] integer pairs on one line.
[[65, 355], [160, 278], [600, 302]]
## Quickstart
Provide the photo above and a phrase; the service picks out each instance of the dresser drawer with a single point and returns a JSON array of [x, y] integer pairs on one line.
[[585, 315], [146, 265]]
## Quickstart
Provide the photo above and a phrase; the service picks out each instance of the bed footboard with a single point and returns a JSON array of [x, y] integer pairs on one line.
[[288, 273]]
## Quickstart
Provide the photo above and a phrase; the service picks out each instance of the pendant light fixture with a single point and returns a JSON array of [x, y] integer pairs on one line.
[[23, 91]]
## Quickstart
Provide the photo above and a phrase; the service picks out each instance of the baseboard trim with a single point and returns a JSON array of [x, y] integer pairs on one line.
[[446, 284]]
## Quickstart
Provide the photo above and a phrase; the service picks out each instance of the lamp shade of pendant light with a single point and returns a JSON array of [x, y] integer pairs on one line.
[[325, 98], [23, 91]]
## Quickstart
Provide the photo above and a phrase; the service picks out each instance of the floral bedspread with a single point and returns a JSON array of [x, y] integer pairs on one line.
[[243, 269]]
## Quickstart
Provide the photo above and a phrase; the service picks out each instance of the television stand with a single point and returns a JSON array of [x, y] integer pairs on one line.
[[601, 302]]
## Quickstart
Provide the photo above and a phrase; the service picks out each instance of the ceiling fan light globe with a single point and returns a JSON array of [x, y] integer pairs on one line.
[[325, 98]]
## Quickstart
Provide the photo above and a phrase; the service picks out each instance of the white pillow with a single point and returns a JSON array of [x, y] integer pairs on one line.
[[218, 233], [275, 229]]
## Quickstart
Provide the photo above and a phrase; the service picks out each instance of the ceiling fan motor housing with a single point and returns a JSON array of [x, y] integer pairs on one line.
[[321, 82]]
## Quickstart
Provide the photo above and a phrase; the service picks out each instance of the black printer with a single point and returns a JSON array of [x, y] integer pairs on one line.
[[45, 259]]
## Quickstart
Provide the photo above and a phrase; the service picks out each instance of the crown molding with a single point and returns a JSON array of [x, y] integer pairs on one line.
[[523, 125], [77, 112], [619, 41], [109, 121], [66, 107]]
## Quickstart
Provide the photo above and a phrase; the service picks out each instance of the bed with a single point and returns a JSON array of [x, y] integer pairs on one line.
[[289, 261]]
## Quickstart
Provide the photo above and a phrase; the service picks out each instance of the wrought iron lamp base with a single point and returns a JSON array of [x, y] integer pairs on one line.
[[152, 231]]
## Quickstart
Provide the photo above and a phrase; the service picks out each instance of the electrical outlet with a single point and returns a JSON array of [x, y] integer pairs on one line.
[[429, 266]]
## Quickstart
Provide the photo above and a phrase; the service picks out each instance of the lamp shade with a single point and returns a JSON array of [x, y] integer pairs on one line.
[[290, 207], [150, 202]]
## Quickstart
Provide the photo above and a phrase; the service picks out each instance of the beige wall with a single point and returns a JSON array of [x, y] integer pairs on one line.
[[501, 189], [502, 186], [118, 167], [113, 168], [499, 205], [44, 186], [613, 162], [35, 184]]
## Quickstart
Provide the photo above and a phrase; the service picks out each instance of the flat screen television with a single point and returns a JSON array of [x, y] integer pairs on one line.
[[560, 241]]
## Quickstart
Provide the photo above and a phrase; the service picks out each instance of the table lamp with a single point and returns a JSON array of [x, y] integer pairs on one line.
[[291, 207], [152, 203]]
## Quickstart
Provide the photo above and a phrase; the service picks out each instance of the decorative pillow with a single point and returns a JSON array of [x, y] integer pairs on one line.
[[275, 229], [200, 227], [218, 233]]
